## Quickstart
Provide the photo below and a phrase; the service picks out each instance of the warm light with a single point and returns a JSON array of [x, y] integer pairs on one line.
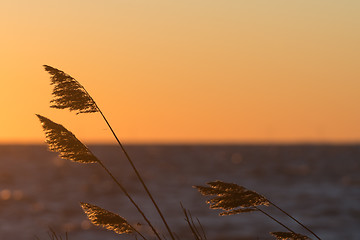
[[185, 71]]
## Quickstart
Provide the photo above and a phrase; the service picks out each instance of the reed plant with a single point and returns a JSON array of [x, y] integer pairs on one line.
[[234, 199], [69, 94]]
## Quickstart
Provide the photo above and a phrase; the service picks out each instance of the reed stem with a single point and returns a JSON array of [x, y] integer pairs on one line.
[[130, 198], [283, 211], [137, 173], [275, 219], [138, 233], [192, 227]]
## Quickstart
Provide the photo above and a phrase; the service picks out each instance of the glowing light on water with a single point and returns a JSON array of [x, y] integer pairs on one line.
[[5, 194]]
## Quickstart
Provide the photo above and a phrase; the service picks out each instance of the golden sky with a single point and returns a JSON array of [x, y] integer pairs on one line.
[[188, 71]]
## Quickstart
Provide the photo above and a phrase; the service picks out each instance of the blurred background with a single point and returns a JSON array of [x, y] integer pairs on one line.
[[318, 185]]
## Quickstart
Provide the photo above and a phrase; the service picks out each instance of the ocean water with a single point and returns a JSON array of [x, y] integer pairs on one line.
[[317, 184]]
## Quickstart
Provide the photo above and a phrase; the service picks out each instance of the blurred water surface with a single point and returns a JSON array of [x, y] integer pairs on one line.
[[318, 184]]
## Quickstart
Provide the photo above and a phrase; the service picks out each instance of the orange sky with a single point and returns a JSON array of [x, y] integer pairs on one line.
[[185, 71]]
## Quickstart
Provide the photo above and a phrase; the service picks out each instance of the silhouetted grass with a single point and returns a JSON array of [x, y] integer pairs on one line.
[[233, 199]]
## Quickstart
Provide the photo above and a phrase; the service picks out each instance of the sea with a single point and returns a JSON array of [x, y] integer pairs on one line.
[[319, 185]]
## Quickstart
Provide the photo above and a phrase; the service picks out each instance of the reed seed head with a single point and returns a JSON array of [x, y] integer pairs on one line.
[[69, 93], [61, 140], [106, 219], [231, 197]]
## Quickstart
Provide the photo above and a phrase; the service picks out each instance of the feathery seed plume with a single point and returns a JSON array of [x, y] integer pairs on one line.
[[61, 140], [111, 221], [231, 197], [69, 93]]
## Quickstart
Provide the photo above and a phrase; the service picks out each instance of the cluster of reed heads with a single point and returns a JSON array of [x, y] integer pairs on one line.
[[68, 93]]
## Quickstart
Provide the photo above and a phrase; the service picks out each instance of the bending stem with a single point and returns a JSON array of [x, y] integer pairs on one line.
[[294, 219], [130, 198], [275, 220], [137, 174]]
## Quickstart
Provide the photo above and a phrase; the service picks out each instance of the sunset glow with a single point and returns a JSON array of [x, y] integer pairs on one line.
[[185, 71]]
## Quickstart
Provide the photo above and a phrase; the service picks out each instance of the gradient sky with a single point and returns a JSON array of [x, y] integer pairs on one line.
[[185, 71]]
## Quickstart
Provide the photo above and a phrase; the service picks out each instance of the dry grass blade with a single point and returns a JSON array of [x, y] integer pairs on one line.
[[198, 235], [111, 221], [69, 93], [229, 196], [60, 140], [289, 236]]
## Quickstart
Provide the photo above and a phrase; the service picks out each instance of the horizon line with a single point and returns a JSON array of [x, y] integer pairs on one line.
[[4, 143]]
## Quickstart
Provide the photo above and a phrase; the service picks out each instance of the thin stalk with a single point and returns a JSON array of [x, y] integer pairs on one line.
[[275, 220], [201, 227], [137, 174], [187, 219], [192, 223], [137, 233], [283, 211], [130, 198]]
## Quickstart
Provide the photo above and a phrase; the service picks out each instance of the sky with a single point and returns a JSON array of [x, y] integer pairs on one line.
[[189, 71]]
